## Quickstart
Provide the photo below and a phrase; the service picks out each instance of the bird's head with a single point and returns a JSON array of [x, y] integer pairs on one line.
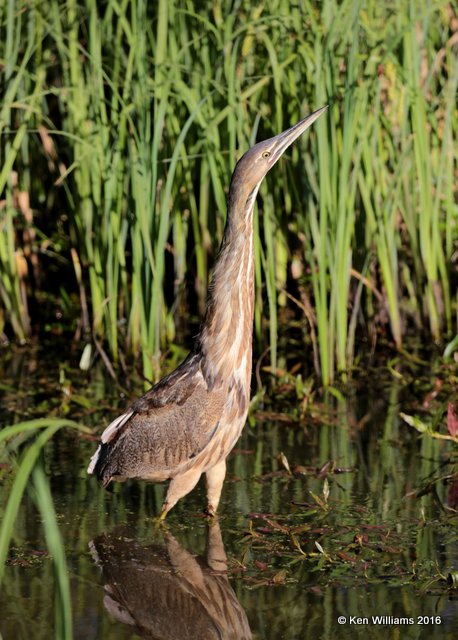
[[257, 161]]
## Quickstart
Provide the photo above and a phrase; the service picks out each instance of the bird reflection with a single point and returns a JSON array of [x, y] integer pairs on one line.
[[165, 592]]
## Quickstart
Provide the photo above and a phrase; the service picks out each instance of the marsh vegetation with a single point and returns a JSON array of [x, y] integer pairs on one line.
[[120, 124]]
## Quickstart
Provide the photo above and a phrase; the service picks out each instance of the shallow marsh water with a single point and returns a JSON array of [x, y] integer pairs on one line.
[[322, 516]]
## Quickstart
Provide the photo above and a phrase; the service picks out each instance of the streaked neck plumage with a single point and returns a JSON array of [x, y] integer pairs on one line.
[[226, 335], [225, 339]]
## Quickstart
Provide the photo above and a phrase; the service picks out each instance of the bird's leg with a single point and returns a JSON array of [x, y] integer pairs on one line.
[[161, 517], [215, 554], [214, 480], [179, 486]]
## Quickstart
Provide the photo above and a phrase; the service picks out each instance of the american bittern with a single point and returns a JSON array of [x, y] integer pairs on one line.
[[165, 591], [188, 422]]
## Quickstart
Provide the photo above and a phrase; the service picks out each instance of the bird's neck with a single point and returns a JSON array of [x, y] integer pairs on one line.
[[226, 335]]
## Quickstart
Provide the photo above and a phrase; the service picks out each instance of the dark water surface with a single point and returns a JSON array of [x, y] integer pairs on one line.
[[345, 533]]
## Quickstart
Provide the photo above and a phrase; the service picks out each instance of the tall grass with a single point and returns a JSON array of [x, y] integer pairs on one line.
[[146, 107]]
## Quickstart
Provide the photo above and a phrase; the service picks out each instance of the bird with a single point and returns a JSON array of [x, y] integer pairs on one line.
[[166, 591], [188, 423]]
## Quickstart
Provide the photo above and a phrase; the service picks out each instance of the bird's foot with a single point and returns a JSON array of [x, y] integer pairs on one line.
[[210, 511], [159, 521]]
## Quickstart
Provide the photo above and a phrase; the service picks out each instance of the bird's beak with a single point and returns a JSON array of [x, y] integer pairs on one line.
[[283, 140]]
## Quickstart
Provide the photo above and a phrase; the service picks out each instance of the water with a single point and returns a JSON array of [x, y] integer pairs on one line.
[[314, 552]]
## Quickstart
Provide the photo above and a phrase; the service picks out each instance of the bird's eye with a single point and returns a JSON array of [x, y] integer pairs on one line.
[[265, 154]]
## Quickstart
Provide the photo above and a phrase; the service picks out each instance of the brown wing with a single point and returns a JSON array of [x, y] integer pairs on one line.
[[163, 430]]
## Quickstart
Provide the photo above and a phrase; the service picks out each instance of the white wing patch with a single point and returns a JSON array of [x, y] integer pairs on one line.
[[114, 426], [108, 434], [94, 554], [93, 461]]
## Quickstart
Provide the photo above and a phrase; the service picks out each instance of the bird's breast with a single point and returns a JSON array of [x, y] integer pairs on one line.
[[230, 425]]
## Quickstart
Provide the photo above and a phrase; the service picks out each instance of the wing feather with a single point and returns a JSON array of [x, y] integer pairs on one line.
[[162, 431]]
